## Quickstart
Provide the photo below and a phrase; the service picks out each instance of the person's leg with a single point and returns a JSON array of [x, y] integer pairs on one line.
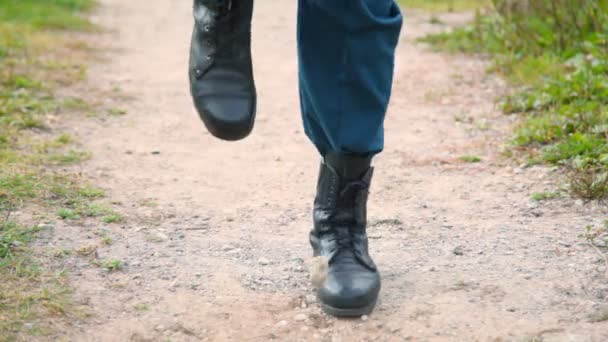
[[346, 58]]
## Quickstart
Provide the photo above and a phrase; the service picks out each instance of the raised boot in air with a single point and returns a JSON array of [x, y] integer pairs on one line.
[[221, 72], [352, 283]]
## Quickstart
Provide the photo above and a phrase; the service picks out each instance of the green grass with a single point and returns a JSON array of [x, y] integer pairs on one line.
[[141, 307], [470, 159], [444, 5], [116, 112], [111, 265], [555, 53], [35, 60], [49, 14], [111, 218], [546, 195]]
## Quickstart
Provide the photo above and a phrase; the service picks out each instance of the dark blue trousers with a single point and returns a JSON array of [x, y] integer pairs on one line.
[[346, 54]]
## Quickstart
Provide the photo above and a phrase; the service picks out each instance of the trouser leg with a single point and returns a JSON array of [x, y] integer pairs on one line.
[[346, 58]]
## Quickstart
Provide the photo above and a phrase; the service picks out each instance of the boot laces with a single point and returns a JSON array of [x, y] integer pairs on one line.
[[343, 235], [223, 33]]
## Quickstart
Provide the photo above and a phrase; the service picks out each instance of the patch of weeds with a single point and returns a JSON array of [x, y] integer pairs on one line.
[[141, 307], [93, 210], [74, 103], [150, 203], [587, 181], [90, 192], [556, 53], [34, 60], [464, 118], [111, 265], [62, 253], [63, 139], [591, 235], [483, 125], [435, 20], [470, 159], [87, 250], [69, 157], [80, 207], [41, 14], [27, 292], [599, 316], [112, 218], [106, 240], [116, 112], [545, 195], [67, 214]]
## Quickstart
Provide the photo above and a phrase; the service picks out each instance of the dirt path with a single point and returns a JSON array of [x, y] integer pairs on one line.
[[215, 241]]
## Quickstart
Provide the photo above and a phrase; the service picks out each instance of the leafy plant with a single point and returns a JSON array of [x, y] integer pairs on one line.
[[556, 52]]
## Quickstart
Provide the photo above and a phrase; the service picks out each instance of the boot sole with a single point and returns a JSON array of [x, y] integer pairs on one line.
[[350, 312]]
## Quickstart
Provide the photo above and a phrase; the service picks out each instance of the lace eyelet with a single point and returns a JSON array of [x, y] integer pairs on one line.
[[207, 28]]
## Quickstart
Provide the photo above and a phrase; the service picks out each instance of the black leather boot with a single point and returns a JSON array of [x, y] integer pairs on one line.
[[352, 284], [221, 72]]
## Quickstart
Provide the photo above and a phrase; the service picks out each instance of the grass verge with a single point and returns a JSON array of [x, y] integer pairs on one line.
[[36, 59], [556, 55], [444, 5]]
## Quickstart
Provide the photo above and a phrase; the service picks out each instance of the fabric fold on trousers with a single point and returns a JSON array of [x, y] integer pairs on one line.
[[346, 57]]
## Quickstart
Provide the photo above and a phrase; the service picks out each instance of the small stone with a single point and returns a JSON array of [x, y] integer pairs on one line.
[[158, 236], [155, 152], [16, 243], [533, 205], [374, 235], [310, 299], [364, 318], [159, 327], [227, 248], [579, 202], [304, 328], [281, 326], [599, 243], [300, 317], [459, 250], [394, 329], [234, 251], [263, 261]]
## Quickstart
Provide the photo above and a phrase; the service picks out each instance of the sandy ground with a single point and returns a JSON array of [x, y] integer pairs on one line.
[[214, 244]]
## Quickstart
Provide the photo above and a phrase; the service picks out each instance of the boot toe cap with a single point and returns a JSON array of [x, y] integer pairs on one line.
[[227, 117], [350, 290]]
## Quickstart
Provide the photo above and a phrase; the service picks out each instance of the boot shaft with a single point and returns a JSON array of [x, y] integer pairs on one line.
[[342, 191]]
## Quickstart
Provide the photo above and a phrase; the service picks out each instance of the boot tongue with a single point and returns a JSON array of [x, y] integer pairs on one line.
[[345, 253]]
